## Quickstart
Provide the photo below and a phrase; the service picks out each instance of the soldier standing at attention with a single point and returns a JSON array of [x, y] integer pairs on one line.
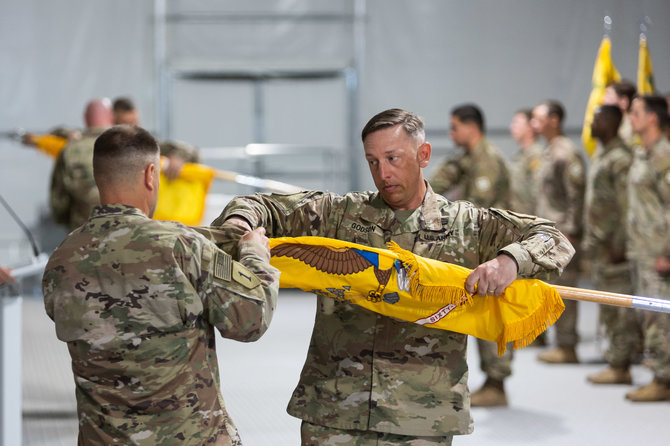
[[525, 164], [73, 192], [137, 301], [560, 186], [605, 207], [621, 94], [481, 177], [649, 236], [372, 379]]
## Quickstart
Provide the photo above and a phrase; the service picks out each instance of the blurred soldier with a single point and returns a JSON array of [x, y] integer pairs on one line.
[[621, 94], [73, 192], [125, 112], [177, 153], [526, 163], [649, 236], [137, 301], [560, 185], [372, 379], [605, 208], [6, 276], [479, 176]]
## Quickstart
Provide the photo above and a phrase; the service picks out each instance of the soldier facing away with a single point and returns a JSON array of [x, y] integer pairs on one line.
[[372, 378], [137, 301]]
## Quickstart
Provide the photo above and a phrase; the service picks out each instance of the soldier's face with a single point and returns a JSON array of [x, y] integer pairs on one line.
[[639, 117], [460, 132], [129, 117], [520, 126], [395, 160], [540, 119]]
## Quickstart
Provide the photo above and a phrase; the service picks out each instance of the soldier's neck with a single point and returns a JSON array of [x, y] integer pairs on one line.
[[650, 137]]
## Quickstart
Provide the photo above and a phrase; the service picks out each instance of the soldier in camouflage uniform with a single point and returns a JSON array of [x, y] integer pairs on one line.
[[649, 236], [137, 301], [560, 184], [621, 94], [73, 192], [372, 379], [605, 208], [526, 162], [479, 176]]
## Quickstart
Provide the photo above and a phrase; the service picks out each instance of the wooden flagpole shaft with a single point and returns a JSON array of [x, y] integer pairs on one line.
[[271, 185], [620, 300]]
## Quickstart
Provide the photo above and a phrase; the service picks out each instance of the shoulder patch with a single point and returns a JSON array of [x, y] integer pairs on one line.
[[223, 266], [244, 277]]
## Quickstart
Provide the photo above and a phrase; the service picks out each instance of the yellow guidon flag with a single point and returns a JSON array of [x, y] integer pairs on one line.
[[183, 199], [645, 72], [397, 283], [604, 72]]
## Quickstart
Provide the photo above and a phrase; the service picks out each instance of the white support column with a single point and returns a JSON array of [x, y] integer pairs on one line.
[[10, 370]]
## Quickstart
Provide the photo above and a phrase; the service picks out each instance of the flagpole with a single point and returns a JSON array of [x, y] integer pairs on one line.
[[262, 183], [619, 300]]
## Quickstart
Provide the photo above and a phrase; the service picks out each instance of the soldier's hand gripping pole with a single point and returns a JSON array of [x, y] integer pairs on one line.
[[619, 300]]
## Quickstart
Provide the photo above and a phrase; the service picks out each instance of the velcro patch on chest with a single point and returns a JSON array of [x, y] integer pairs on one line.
[[244, 277], [223, 266]]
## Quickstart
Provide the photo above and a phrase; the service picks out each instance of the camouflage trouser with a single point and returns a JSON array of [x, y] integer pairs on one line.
[[655, 325], [316, 435], [566, 325], [621, 324], [491, 364]]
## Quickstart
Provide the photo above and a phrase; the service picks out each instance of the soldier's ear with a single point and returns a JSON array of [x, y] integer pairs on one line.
[[149, 173], [423, 153]]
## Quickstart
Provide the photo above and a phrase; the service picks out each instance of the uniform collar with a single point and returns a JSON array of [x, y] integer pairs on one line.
[[106, 210], [428, 216]]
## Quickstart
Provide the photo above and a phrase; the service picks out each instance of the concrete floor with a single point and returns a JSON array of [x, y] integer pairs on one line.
[[549, 405]]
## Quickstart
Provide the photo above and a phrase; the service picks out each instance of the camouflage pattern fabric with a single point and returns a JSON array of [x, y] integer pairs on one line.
[[365, 371], [315, 435], [626, 132], [480, 176], [648, 238], [137, 302], [560, 184], [73, 191], [523, 170], [605, 207]]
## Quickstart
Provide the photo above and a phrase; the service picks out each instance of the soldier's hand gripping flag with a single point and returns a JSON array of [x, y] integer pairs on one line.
[[604, 72]]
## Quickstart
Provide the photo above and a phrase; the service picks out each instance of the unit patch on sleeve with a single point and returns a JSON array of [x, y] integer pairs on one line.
[[245, 277]]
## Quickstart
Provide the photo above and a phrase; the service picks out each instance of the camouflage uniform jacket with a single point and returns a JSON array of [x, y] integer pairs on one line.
[[560, 184], [73, 191], [366, 371], [523, 169], [136, 300], [479, 176], [649, 203], [605, 206]]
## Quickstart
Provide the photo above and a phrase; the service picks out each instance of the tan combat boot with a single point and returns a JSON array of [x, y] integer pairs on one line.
[[656, 391], [611, 375], [491, 394], [559, 355]]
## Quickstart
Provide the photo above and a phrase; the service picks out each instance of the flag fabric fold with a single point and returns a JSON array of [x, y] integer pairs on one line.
[[645, 71], [183, 199], [397, 283], [604, 72]]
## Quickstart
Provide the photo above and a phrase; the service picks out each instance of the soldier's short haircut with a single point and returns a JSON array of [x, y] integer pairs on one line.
[[527, 112], [469, 113], [657, 105], [611, 114], [555, 108], [122, 150], [411, 123], [624, 88], [123, 104]]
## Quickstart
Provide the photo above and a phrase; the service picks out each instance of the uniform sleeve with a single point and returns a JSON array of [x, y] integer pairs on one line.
[[539, 249], [295, 215], [491, 186], [60, 200], [574, 181], [238, 298], [445, 177]]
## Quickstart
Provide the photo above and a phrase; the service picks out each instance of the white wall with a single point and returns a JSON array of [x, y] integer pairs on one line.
[[426, 56]]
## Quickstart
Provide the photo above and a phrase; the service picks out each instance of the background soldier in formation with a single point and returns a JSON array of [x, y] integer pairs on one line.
[[621, 94], [373, 378], [605, 208], [560, 186], [649, 236], [526, 162], [137, 302], [480, 176]]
